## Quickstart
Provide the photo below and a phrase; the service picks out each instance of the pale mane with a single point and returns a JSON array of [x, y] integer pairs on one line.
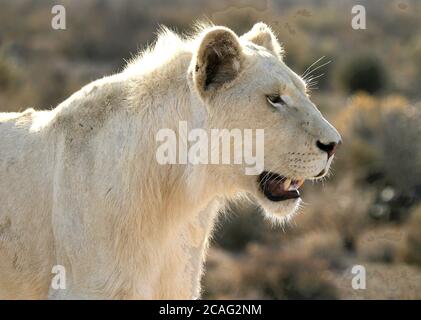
[[168, 46]]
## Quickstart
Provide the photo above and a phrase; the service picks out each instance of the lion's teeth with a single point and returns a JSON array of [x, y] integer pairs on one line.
[[300, 183], [287, 183]]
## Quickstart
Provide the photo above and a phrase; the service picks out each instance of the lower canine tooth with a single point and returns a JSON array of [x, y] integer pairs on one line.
[[287, 183]]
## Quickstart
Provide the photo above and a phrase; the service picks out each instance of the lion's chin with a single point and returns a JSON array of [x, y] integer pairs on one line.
[[281, 210]]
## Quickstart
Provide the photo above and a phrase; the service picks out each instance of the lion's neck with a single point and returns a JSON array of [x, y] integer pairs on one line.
[[173, 207], [174, 242]]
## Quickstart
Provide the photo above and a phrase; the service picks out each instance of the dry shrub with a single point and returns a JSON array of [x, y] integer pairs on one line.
[[326, 246], [382, 136], [383, 150], [289, 274], [382, 244], [413, 237], [296, 271], [363, 72], [341, 208]]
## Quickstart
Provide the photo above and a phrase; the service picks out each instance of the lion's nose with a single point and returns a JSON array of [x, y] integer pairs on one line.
[[329, 148]]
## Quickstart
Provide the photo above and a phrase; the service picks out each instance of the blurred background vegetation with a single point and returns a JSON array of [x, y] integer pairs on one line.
[[368, 213]]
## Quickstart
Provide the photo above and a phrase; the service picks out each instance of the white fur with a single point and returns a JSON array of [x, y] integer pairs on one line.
[[80, 186]]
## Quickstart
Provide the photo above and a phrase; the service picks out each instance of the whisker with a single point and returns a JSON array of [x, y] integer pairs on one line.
[[317, 68], [308, 81], [307, 70]]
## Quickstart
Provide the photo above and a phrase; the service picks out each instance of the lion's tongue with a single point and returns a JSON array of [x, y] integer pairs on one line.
[[276, 187]]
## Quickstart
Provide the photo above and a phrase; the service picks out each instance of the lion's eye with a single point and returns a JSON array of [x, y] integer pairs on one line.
[[276, 100]]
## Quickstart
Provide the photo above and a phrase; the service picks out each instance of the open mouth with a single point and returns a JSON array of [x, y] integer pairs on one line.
[[279, 188]]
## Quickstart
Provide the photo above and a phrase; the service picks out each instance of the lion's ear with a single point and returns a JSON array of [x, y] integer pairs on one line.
[[217, 60], [263, 36]]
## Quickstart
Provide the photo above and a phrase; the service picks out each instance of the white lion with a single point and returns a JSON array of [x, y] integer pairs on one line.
[[80, 186]]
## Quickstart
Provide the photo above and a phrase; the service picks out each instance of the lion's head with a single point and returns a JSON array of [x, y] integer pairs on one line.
[[244, 83]]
